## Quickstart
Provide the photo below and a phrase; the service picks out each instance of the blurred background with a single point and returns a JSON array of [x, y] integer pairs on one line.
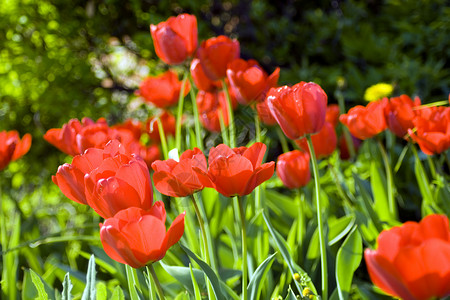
[[70, 59]]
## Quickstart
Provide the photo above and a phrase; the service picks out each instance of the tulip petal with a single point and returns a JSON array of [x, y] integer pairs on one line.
[[70, 180], [255, 154]]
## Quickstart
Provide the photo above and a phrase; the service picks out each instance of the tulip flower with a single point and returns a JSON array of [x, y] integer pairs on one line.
[[119, 182], [210, 105], [399, 113], [432, 129], [180, 179], [264, 113], [299, 110], [134, 126], [249, 81], [215, 54], [175, 39], [168, 122], [12, 147], [163, 90], [332, 114], [366, 122], [70, 177], [412, 261], [138, 237], [293, 169], [65, 138], [236, 172], [324, 142], [201, 80]]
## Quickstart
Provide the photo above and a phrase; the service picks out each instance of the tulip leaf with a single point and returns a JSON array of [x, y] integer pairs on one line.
[[67, 287], [37, 281], [380, 194], [428, 206], [291, 295], [101, 293], [118, 294], [347, 261], [285, 253], [90, 291], [255, 284], [338, 228], [183, 275], [215, 283], [197, 293], [133, 282]]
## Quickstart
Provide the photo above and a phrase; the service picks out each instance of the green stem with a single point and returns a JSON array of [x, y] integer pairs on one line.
[[223, 128], [180, 113], [156, 281], [323, 250], [205, 243], [162, 136], [284, 144], [202, 228], [432, 167], [257, 128], [244, 248], [230, 116], [389, 180], [198, 132], [300, 222]]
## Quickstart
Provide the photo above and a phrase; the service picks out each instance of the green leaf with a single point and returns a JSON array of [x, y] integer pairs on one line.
[[380, 194], [428, 204], [197, 293], [118, 294], [89, 290], [102, 294], [183, 275], [133, 282], [338, 228], [255, 284], [67, 287], [291, 295], [37, 281], [347, 261], [283, 248], [215, 283]]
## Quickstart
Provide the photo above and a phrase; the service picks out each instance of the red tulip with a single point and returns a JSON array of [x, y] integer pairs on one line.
[[366, 122], [293, 169], [344, 153], [134, 126], [238, 171], [399, 113], [264, 113], [179, 179], [249, 81], [148, 153], [332, 114], [12, 147], [137, 237], [210, 105], [299, 110], [175, 39], [65, 138], [119, 182], [412, 261], [168, 122], [163, 90], [432, 129], [201, 80], [70, 177], [324, 142], [97, 135], [215, 54]]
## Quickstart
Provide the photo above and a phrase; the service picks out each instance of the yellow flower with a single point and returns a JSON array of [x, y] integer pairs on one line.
[[378, 91]]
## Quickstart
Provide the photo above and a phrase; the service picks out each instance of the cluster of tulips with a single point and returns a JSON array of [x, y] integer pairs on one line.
[[110, 168]]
